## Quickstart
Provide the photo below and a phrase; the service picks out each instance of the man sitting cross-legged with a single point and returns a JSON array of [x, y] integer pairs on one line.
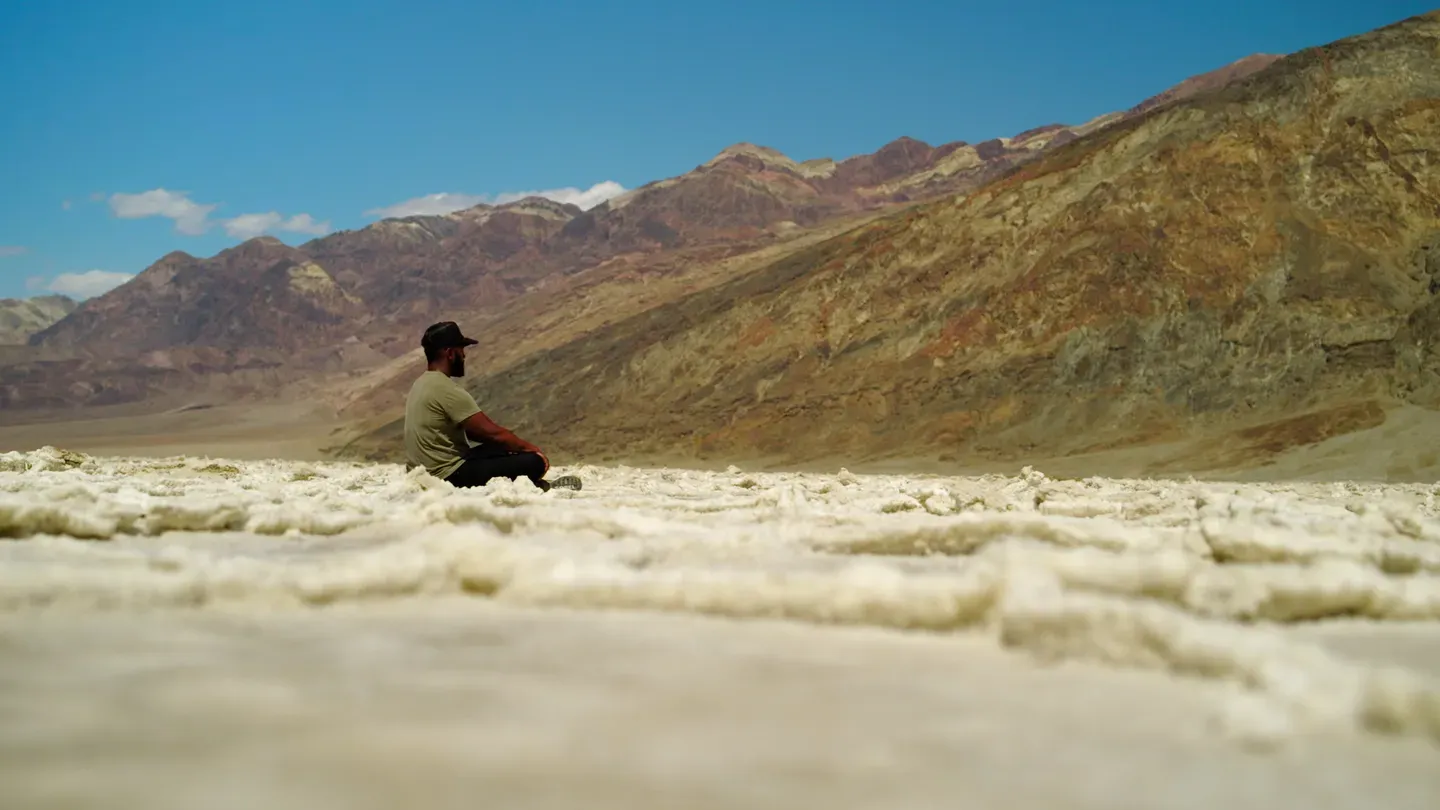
[[441, 418]]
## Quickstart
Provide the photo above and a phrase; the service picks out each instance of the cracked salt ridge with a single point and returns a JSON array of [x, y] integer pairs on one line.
[[1156, 575]]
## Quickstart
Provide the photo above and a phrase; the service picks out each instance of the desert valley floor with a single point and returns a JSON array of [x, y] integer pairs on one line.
[[193, 625]]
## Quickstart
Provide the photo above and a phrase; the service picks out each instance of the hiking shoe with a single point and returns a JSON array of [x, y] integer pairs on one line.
[[566, 482]]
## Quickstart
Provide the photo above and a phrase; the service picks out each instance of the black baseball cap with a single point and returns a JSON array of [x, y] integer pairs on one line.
[[445, 335]]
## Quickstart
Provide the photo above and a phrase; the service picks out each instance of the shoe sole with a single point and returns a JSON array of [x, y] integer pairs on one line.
[[566, 482]]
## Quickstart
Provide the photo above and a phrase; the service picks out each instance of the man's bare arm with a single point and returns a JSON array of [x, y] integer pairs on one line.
[[481, 428]]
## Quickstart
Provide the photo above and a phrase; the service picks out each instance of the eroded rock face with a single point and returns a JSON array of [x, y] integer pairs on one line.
[[1235, 258]]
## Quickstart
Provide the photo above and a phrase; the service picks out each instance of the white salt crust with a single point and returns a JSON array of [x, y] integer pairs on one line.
[[1183, 578]]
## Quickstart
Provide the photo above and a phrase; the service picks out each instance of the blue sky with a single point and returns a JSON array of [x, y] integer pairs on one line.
[[123, 121]]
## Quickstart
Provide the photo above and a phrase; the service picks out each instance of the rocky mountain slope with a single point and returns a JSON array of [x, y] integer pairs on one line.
[[1260, 262], [1213, 80], [344, 300], [22, 317]]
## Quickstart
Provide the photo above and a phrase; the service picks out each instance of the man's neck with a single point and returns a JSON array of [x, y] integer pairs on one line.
[[441, 369]]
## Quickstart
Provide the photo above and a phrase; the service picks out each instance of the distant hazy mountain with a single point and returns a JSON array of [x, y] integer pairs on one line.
[[22, 317]]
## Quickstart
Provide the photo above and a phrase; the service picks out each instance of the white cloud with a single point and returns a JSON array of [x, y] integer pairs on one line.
[[445, 203], [247, 226], [303, 223], [87, 284], [193, 219], [584, 198], [12, 250], [190, 217]]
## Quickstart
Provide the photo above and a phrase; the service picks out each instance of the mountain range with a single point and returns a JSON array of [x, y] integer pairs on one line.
[[263, 314], [1255, 246]]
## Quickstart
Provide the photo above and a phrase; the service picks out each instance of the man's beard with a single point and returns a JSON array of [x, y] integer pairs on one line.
[[457, 367]]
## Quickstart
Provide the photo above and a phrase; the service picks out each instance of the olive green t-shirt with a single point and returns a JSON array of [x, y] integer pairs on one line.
[[433, 413]]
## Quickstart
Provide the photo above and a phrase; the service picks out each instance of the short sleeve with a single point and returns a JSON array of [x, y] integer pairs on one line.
[[457, 404]]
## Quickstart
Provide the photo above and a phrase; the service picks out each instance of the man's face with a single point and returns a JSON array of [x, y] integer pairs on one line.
[[457, 362]]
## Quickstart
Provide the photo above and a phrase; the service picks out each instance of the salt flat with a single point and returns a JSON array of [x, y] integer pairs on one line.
[[193, 632]]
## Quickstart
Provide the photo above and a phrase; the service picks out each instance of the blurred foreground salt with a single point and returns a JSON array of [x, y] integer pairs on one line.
[[341, 635]]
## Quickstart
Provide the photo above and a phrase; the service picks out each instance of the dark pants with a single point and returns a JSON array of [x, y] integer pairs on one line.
[[484, 462]]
